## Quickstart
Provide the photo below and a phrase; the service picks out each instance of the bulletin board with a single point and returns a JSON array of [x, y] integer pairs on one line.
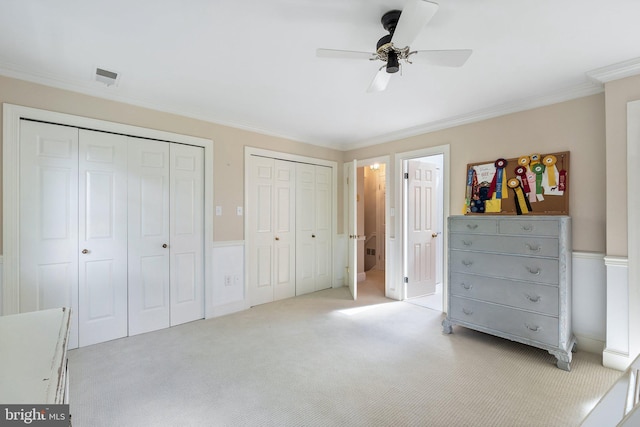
[[550, 194]]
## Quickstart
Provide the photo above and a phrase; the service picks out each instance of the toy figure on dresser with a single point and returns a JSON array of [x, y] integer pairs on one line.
[[479, 198]]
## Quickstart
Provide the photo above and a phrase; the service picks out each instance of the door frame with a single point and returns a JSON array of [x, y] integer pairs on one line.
[[443, 150], [253, 151], [390, 290], [12, 114]]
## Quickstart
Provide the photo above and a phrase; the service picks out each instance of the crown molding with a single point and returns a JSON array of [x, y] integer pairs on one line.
[[573, 92], [616, 71]]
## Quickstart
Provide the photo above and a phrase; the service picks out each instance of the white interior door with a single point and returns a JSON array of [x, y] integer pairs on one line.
[[186, 233], [305, 228], [421, 230], [48, 228], [321, 236], [148, 219], [284, 239], [352, 230], [102, 229]]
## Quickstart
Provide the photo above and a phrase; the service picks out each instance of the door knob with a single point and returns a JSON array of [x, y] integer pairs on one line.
[[277, 238], [313, 235], [85, 251], [434, 235], [164, 245]]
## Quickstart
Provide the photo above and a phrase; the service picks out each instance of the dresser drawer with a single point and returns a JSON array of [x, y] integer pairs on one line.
[[531, 227], [540, 246], [532, 326], [472, 225], [539, 270], [529, 296]]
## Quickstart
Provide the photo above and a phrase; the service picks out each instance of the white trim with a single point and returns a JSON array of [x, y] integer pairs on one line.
[[616, 71], [444, 150], [590, 345], [12, 114], [633, 226], [615, 261], [615, 360], [599, 256], [228, 243]]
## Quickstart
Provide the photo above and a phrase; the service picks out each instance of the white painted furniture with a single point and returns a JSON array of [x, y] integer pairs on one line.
[[511, 277], [33, 359]]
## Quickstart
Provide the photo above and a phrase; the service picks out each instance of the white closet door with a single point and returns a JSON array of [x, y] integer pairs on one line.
[[284, 227], [48, 219], [148, 219], [305, 229], [186, 238], [271, 219], [102, 229], [322, 239]]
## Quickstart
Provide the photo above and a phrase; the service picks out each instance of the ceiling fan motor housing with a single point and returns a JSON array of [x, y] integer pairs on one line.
[[384, 48]]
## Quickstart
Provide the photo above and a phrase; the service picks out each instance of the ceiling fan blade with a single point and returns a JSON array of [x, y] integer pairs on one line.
[[349, 54], [443, 58], [380, 81], [414, 16]]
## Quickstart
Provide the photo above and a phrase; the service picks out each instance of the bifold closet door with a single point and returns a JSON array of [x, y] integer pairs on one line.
[[166, 234], [186, 233], [313, 228], [102, 237], [48, 206], [271, 219], [148, 243]]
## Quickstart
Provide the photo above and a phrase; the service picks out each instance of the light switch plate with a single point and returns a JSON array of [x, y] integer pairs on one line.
[[239, 211]]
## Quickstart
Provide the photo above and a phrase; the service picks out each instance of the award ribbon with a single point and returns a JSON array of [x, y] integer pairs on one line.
[[524, 161], [522, 203], [550, 163], [496, 183], [538, 169], [562, 185], [521, 172], [535, 158], [469, 189]]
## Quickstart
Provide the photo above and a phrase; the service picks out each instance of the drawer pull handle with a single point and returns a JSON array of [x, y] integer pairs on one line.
[[533, 299], [467, 287], [527, 227], [467, 243], [467, 311], [472, 226], [467, 263], [535, 272], [533, 328], [533, 248]]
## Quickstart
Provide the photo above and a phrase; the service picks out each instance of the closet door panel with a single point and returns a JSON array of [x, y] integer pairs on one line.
[[48, 206], [102, 227], [322, 240], [148, 240], [305, 229], [284, 227], [186, 248]]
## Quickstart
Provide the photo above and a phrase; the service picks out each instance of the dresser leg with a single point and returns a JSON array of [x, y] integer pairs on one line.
[[447, 326], [564, 360]]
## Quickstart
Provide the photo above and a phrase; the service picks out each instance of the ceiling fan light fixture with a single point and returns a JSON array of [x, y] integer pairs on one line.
[[393, 66]]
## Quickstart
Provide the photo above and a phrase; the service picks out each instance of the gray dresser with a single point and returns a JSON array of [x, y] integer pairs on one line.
[[510, 276]]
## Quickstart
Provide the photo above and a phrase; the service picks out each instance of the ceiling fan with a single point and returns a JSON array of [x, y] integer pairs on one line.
[[403, 27]]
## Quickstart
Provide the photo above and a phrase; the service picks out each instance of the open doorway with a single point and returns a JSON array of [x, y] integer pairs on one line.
[[423, 225], [371, 225]]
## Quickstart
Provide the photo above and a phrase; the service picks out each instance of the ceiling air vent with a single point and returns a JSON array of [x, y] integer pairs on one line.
[[105, 76]]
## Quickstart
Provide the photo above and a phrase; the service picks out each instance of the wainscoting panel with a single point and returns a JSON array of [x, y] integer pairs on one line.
[[228, 292], [340, 260], [616, 354], [589, 310]]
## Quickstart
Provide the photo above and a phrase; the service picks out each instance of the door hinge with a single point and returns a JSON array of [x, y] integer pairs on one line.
[[406, 175], [406, 280]]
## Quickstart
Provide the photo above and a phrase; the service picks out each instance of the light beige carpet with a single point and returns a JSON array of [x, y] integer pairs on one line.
[[325, 360]]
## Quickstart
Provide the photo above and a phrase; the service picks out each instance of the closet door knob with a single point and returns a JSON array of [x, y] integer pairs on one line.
[[313, 235], [164, 245], [277, 238], [85, 251]]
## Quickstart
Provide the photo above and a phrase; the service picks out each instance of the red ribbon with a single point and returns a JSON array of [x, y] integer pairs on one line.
[[521, 171], [500, 164]]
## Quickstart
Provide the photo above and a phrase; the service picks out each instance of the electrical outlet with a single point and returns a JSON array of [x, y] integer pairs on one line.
[[218, 210], [227, 280], [239, 211]]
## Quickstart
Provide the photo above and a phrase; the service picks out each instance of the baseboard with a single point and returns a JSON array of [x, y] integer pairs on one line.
[[590, 345], [615, 360], [224, 309], [362, 277]]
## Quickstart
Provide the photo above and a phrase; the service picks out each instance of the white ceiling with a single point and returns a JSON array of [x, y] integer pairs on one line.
[[251, 64]]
